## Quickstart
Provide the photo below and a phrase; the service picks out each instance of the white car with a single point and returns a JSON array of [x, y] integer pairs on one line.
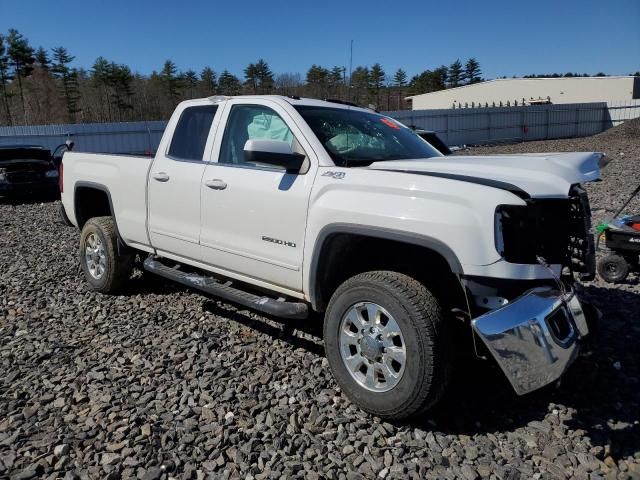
[[288, 205]]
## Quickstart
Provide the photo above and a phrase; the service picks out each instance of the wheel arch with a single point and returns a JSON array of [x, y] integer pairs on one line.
[[325, 248], [102, 206]]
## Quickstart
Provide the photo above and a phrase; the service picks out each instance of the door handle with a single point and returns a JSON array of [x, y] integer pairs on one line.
[[216, 184], [161, 176]]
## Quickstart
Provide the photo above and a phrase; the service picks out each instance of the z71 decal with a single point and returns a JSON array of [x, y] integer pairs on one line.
[[334, 175]]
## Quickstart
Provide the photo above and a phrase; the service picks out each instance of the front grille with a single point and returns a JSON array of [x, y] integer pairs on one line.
[[24, 176], [557, 230]]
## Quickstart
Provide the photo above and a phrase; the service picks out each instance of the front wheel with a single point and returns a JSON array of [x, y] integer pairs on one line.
[[105, 268], [386, 343]]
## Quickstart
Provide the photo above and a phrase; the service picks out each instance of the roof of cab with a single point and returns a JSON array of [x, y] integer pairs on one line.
[[293, 100]]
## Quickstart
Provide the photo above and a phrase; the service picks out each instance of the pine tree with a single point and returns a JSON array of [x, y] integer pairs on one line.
[[21, 57], [100, 80], [336, 80], [68, 79], [229, 84], [251, 78], [5, 78], [120, 80], [208, 81], [472, 72], [318, 81], [42, 58], [441, 76], [400, 78], [399, 83], [429, 81], [376, 79], [455, 74], [169, 78], [360, 84], [264, 76], [190, 82]]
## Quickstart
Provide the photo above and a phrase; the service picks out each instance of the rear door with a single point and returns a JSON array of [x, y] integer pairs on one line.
[[174, 182], [254, 216]]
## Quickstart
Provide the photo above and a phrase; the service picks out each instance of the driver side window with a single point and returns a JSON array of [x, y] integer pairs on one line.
[[248, 122]]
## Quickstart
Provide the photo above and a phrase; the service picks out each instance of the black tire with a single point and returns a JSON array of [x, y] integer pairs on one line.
[[613, 268], [116, 267], [422, 325]]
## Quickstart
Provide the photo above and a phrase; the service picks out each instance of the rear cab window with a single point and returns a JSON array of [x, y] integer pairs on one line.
[[191, 133]]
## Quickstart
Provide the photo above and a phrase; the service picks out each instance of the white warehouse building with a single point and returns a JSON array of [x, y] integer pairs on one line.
[[532, 90]]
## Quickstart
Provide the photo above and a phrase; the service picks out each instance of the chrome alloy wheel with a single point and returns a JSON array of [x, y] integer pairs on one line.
[[372, 347], [95, 256]]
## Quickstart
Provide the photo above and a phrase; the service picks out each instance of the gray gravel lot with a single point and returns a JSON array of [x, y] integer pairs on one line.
[[162, 382]]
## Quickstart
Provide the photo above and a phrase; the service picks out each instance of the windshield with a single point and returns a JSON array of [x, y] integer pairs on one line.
[[356, 138]]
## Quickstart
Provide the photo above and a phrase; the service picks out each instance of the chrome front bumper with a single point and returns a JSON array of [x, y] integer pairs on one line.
[[534, 337]]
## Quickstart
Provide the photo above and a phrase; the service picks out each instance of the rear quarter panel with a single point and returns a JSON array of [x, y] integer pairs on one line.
[[124, 177]]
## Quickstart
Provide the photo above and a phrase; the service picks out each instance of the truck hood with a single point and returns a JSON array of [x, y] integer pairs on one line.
[[536, 175]]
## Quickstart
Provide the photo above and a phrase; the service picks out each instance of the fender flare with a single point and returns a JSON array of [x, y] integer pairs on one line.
[[375, 232], [105, 190]]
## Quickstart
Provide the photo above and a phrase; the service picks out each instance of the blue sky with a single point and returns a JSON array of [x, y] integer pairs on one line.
[[507, 37]]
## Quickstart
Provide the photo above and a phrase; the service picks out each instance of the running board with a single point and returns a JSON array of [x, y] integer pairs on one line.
[[212, 286]]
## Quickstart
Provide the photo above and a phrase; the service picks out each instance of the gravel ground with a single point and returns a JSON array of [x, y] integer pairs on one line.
[[162, 382]]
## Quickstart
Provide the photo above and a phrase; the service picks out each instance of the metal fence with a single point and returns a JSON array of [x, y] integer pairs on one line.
[[122, 137], [454, 126], [508, 124]]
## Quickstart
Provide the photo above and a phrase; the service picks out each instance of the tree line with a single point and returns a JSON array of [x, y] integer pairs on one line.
[[40, 86]]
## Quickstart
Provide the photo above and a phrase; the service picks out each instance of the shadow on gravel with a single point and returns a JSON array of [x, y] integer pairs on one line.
[[284, 330], [144, 283], [28, 200]]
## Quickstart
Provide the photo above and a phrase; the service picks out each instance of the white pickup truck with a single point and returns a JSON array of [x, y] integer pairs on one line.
[[289, 205]]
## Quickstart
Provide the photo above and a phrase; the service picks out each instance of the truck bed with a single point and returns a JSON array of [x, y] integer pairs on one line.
[[124, 176]]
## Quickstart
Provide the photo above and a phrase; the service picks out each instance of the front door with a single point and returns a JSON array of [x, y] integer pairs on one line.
[[174, 184], [254, 216]]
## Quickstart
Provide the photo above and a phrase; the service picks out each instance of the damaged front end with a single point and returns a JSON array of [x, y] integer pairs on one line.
[[533, 327], [534, 338]]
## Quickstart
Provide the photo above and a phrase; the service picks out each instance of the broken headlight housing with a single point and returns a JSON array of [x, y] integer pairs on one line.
[[556, 229]]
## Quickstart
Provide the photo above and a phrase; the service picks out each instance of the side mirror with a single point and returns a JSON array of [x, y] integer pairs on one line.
[[273, 152]]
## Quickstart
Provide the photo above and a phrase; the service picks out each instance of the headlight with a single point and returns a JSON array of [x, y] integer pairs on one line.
[[52, 174], [3, 177]]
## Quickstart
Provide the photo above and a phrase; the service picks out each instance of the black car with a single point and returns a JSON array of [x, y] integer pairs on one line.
[[434, 140], [27, 170]]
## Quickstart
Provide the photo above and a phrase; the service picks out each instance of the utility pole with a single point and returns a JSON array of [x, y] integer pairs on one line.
[[350, 67]]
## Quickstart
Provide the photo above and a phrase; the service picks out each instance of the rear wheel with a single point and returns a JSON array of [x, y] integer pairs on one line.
[[105, 268], [386, 344], [613, 268]]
